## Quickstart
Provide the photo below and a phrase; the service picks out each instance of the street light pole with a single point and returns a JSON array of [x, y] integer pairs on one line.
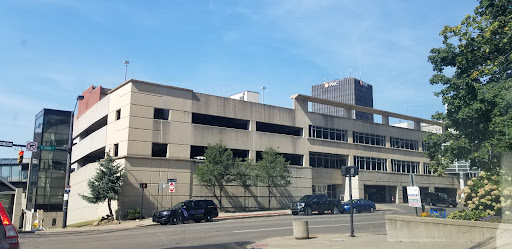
[[125, 68], [263, 95], [68, 165]]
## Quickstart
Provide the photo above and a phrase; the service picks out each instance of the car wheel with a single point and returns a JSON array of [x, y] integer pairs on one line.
[[447, 204], [208, 217], [197, 220], [163, 223], [454, 205], [335, 210], [308, 211], [174, 220], [320, 212], [295, 213], [372, 210]]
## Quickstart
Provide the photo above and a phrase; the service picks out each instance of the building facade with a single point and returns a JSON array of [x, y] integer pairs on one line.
[[348, 90], [156, 131]]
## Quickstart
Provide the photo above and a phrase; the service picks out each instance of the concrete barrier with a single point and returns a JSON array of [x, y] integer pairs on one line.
[[300, 229], [418, 229]]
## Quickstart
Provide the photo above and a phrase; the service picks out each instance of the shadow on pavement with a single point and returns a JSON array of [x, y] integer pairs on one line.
[[232, 245]]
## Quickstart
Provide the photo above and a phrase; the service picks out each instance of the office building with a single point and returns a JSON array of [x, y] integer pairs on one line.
[[348, 90], [157, 131]]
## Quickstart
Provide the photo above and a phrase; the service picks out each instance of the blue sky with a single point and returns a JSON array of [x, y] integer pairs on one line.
[[52, 50]]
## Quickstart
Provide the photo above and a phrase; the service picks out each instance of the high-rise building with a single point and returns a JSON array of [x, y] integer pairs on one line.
[[47, 171], [348, 90]]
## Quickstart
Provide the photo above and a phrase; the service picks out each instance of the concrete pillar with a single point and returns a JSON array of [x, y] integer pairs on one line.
[[417, 125], [300, 229], [300, 104], [385, 120], [350, 137], [17, 208], [350, 113]]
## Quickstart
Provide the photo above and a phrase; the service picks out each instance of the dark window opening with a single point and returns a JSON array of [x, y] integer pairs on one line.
[[326, 160], [294, 159], [204, 119], [159, 150], [162, 114], [116, 150], [197, 152], [118, 114], [279, 129]]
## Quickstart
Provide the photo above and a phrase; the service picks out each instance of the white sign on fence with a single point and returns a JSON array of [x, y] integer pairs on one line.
[[413, 195]]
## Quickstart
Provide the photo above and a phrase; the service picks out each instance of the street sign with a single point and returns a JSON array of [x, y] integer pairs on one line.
[[41, 147], [171, 180], [413, 195], [31, 146], [6, 143], [171, 187], [68, 187]]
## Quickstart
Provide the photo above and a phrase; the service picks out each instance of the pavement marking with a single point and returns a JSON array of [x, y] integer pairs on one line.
[[281, 228]]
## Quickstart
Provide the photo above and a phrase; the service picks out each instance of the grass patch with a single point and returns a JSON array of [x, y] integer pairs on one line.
[[83, 224]]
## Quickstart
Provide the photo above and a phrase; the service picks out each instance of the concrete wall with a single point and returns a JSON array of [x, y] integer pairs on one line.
[[418, 229], [78, 209]]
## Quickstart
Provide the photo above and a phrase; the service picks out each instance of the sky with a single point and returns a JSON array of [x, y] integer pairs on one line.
[[52, 50]]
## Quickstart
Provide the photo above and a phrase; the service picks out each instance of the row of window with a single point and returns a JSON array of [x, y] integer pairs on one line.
[[370, 163], [328, 133], [405, 166], [403, 143], [367, 138]]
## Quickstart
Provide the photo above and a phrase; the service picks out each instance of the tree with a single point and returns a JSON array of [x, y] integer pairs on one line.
[[106, 184], [243, 175], [216, 171], [478, 92], [272, 171]]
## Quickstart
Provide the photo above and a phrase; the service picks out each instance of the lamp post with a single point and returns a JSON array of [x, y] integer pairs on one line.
[[68, 164], [263, 91], [125, 68]]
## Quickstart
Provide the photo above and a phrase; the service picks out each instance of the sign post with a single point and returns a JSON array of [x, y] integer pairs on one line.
[[350, 171], [142, 186], [413, 195]]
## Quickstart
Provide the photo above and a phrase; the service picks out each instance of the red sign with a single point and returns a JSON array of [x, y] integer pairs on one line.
[[171, 187]]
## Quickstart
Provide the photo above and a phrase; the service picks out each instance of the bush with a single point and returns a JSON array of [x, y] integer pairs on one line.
[[468, 215], [133, 214]]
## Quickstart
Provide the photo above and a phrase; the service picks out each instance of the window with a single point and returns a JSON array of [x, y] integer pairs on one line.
[[279, 129], [403, 143], [205, 119], [116, 150], [198, 152], [371, 163], [326, 160], [159, 150], [367, 138], [162, 114], [426, 170], [425, 146], [293, 159], [327, 133], [329, 190], [405, 166], [118, 114]]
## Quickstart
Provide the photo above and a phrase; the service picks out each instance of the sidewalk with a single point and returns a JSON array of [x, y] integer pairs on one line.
[[148, 222], [327, 241]]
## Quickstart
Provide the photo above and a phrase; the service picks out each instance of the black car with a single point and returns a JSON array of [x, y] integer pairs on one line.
[[196, 210], [359, 205], [434, 198], [319, 202]]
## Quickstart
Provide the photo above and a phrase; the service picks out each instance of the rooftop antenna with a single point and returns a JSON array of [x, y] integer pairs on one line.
[[125, 69], [263, 95]]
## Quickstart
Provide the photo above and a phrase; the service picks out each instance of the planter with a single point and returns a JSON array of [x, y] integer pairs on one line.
[[418, 229]]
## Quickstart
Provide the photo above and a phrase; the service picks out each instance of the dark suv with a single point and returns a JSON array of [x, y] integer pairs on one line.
[[434, 198], [196, 210]]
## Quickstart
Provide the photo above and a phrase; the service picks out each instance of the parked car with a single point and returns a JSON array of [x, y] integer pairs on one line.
[[8, 233], [196, 210], [319, 203], [359, 205], [434, 198]]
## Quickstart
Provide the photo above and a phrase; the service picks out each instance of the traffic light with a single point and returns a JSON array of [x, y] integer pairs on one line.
[[20, 157], [143, 185]]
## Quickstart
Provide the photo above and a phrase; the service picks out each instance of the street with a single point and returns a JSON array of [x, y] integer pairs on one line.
[[236, 233]]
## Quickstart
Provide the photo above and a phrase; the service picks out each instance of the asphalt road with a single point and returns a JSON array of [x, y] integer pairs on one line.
[[229, 234]]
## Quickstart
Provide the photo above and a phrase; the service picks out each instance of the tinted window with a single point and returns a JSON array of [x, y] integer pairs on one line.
[[162, 114], [159, 150]]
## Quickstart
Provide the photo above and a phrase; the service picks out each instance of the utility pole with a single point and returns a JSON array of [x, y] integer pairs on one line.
[[125, 69], [263, 94], [350, 171]]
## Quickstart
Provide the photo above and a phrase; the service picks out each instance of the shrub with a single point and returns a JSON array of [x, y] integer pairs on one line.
[[133, 214], [468, 215]]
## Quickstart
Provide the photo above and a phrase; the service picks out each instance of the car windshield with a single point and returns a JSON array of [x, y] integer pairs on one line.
[[178, 205], [306, 198]]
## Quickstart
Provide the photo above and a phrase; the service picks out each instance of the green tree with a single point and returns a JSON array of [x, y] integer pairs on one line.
[[106, 184], [243, 175], [217, 169], [272, 171], [474, 66]]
